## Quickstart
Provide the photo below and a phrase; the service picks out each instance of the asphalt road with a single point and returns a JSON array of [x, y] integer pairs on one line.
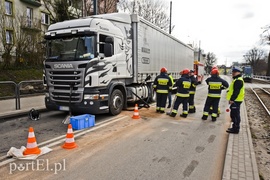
[[154, 147]]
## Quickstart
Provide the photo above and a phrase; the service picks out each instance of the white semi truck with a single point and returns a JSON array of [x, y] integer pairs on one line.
[[97, 64]]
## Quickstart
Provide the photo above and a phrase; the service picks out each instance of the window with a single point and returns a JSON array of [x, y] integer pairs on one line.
[[29, 16], [103, 39], [45, 18], [8, 6], [9, 37]]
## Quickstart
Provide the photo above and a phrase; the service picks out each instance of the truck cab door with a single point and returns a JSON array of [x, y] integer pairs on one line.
[[108, 62]]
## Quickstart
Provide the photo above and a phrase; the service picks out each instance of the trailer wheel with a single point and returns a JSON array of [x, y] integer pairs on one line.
[[116, 102]]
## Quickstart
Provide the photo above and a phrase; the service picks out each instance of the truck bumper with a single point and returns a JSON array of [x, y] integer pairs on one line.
[[86, 106]]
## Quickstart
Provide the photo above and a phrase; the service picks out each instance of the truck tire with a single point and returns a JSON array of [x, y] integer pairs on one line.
[[116, 102]]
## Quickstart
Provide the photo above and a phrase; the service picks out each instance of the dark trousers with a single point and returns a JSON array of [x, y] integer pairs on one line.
[[178, 101], [235, 115], [211, 101], [191, 100], [161, 101], [170, 98]]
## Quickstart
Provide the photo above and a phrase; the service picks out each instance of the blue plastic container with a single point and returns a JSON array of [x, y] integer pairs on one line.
[[82, 121]]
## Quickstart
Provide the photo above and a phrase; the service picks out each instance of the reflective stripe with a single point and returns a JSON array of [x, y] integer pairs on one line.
[[31, 134], [31, 145], [163, 81], [154, 86], [136, 113], [69, 140], [69, 131], [191, 92], [182, 95], [162, 91], [214, 95], [191, 107], [162, 109], [186, 84], [185, 112], [205, 113], [214, 115], [215, 85], [174, 111]]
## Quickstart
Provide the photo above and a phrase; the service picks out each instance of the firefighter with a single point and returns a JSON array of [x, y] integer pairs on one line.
[[170, 93], [235, 96], [211, 108], [162, 86], [215, 86], [192, 89], [182, 95]]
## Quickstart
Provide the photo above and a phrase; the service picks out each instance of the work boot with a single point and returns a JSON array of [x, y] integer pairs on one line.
[[214, 119], [169, 106], [204, 117], [172, 114], [232, 131], [183, 115], [191, 111], [161, 111], [157, 111]]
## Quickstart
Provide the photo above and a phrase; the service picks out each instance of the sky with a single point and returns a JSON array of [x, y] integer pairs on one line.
[[228, 28]]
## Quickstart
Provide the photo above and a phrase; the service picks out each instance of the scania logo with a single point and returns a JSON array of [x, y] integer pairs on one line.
[[63, 66]]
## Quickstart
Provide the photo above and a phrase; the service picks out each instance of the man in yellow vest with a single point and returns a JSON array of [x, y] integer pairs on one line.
[[235, 96]]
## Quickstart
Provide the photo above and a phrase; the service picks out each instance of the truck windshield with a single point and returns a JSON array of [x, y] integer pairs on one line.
[[71, 48]]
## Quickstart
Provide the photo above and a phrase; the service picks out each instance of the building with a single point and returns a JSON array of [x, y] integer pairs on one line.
[[20, 20], [24, 22]]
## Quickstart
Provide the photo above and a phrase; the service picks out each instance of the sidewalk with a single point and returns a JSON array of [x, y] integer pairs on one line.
[[240, 162], [8, 107]]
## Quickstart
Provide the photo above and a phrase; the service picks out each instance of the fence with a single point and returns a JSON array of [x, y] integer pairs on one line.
[[17, 90], [261, 77]]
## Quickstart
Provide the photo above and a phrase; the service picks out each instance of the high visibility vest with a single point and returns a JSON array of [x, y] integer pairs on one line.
[[170, 76], [241, 94]]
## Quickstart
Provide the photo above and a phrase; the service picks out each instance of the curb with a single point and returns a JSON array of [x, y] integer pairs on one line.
[[11, 114]]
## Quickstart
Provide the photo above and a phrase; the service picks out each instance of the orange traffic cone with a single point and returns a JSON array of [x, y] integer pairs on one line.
[[70, 142], [136, 113], [31, 147]]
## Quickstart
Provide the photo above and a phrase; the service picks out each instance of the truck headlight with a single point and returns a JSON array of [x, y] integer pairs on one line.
[[91, 96]]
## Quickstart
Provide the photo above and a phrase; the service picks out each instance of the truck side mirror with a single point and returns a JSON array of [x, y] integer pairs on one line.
[[108, 49]]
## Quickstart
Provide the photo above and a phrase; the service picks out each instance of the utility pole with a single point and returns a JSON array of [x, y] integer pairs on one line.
[[170, 28], [199, 53], [95, 7]]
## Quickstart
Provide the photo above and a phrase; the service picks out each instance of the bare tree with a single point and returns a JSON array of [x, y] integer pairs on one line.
[[253, 57], [154, 11], [209, 61], [61, 10], [7, 45], [265, 38], [107, 6]]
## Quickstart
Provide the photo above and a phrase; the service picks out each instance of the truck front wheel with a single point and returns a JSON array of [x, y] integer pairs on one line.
[[116, 102]]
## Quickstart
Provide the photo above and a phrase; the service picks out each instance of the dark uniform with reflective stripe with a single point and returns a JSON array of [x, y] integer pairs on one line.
[[182, 95], [215, 86], [192, 91], [162, 86]]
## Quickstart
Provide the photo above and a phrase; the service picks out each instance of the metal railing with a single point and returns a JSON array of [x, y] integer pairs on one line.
[[17, 90], [261, 77]]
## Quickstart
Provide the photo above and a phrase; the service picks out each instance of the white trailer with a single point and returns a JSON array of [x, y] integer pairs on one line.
[[96, 64]]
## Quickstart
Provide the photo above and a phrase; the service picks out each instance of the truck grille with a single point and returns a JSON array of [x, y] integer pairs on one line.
[[62, 81]]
